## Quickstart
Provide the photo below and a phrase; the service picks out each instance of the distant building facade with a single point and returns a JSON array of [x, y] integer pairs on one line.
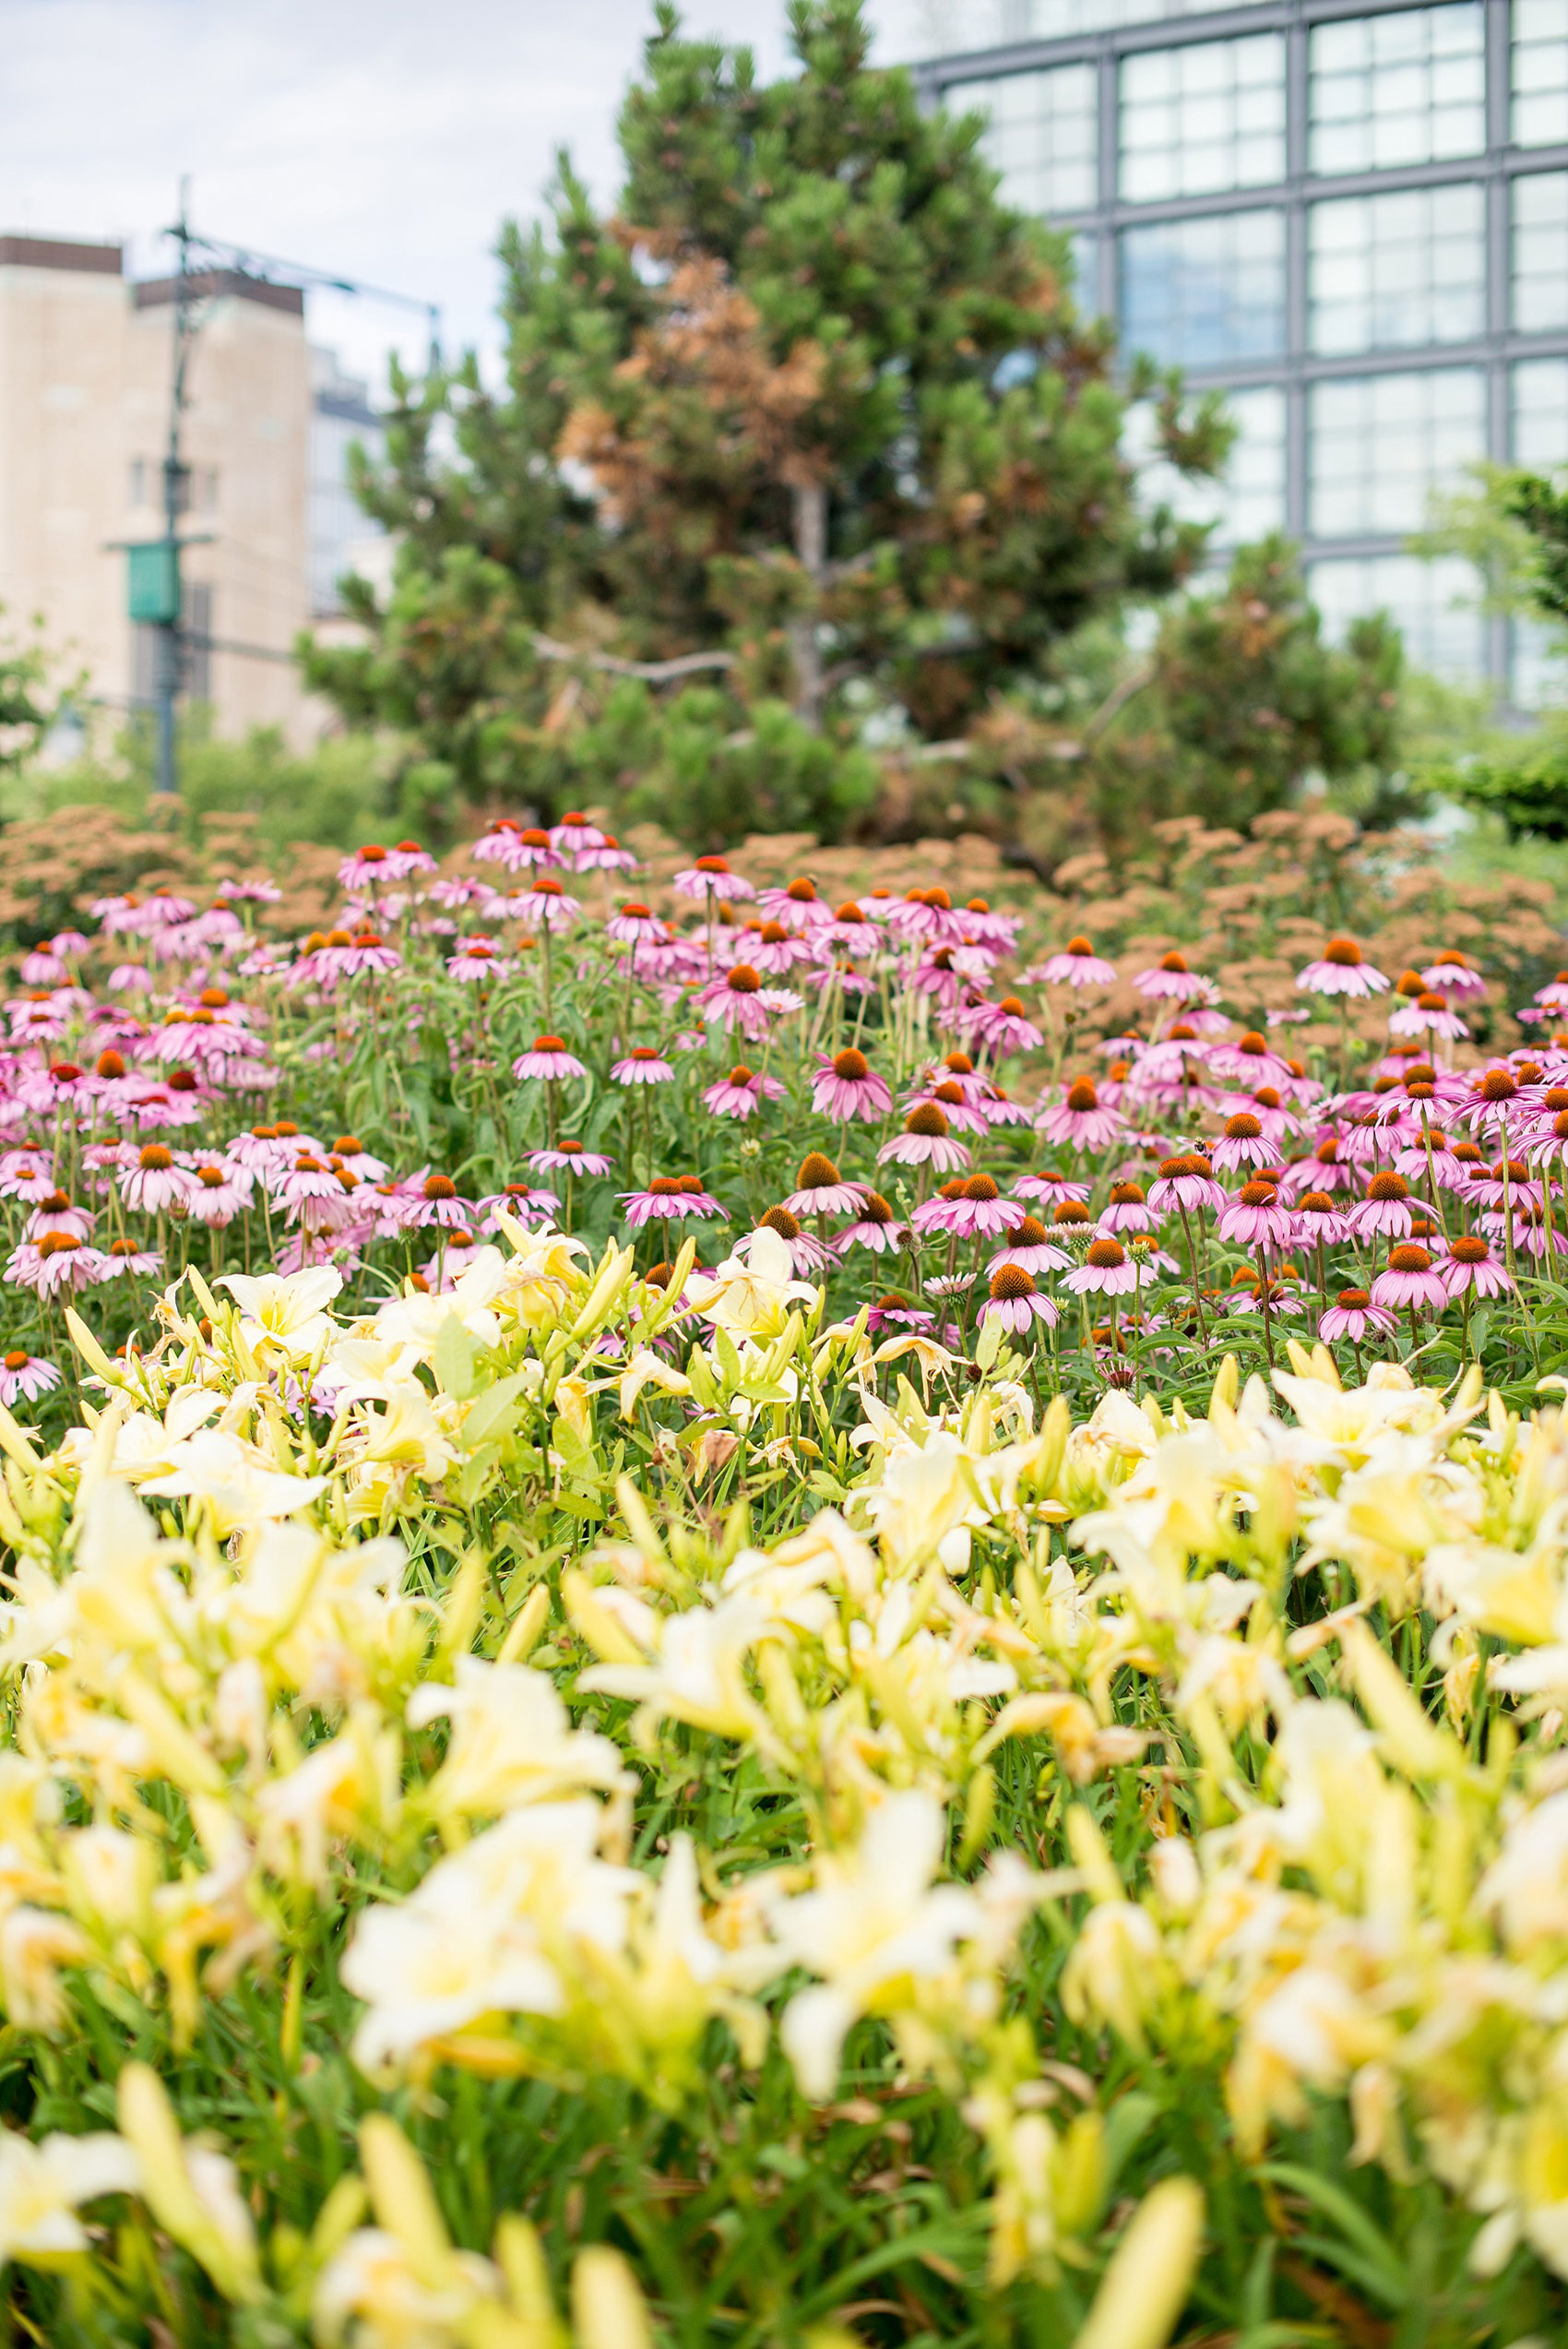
[[1349, 215], [86, 364]]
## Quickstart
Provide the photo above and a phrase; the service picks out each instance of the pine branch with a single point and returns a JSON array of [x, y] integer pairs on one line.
[[652, 672]]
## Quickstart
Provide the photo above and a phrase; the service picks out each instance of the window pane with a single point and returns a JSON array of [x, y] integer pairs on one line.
[[1539, 390], [1406, 88], [1202, 294], [1198, 120], [1383, 270], [1540, 73], [1379, 445], [1539, 293], [1250, 500], [1434, 605], [1042, 134]]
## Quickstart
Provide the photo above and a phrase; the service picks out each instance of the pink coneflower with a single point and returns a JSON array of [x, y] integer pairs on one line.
[[573, 834], [1026, 1246], [25, 1176], [1078, 1121], [1255, 1218], [736, 997], [1003, 1028], [1507, 1183], [959, 1098], [1049, 1186], [525, 1202], [643, 1065], [1453, 974], [667, 1198], [979, 1211], [440, 1204], [997, 1106], [1492, 1096], [1319, 1224], [776, 950], [1385, 1212], [851, 930], [1243, 1143], [1352, 1317], [1077, 965], [1429, 1013], [365, 870], [312, 1191], [1342, 971], [62, 1085], [519, 849], [876, 1227], [923, 917], [544, 906], [368, 950], [24, 1377], [477, 959], [56, 1213], [807, 1254], [569, 1158], [548, 1058], [1324, 1169], [895, 1311], [129, 1260], [1016, 1303], [1471, 1267], [162, 908], [219, 1193], [57, 1262], [846, 1086], [1107, 1270], [608, 857], [1410, 1278], [742, 1092], [153, 1183], [1171, 980], [1127, 1210], [925, 1141], [711, 877], [797, 905], [637, 924], [937, 974], [820, 1190]]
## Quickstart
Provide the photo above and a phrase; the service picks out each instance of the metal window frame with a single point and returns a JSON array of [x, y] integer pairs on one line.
[[1494, 168]]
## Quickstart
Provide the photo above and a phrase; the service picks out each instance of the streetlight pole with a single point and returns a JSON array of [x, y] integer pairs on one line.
[[171, 643]]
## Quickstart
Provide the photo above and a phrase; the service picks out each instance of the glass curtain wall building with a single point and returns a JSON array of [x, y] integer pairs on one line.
[[1351, 217]]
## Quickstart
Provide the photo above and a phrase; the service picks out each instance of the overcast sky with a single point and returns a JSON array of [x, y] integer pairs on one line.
[[382, 139]]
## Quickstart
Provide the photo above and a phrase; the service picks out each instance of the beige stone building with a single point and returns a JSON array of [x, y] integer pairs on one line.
[[86, 362]]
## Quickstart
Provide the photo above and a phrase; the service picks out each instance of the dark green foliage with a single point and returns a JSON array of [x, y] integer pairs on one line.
[[813, 415], [1239, 698]]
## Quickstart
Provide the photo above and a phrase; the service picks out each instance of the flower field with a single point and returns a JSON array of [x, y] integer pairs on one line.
[[764, 1613]]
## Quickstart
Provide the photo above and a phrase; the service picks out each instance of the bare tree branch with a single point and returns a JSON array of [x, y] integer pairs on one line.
[[652, 672], [1117, 701]]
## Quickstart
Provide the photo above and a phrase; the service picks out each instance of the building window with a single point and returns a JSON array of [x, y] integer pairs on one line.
[[1404, 88], [1199, 119], [1040, 136], [1204, 292], [1380, 444], [1540, 73], [138, 481], [1249, 500], [1538, 294], [1389, 270], [1540, 401], [1434, 606]]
